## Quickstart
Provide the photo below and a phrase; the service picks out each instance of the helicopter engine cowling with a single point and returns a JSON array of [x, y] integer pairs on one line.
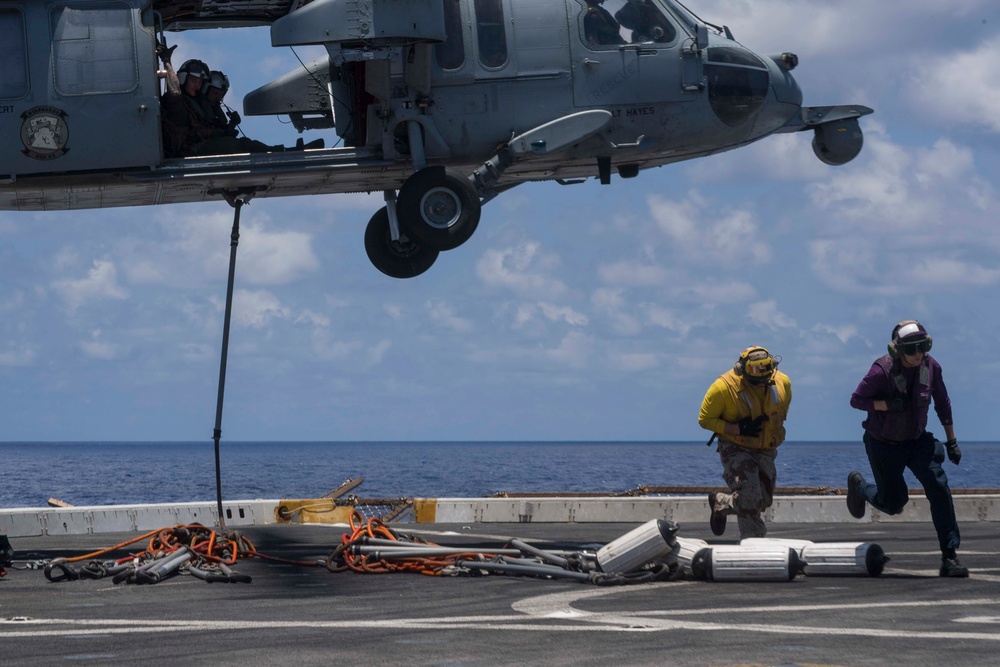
[[838, 142]]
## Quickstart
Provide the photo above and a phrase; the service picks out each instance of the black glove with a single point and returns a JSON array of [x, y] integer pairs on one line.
[[954, 453], [895, 404], [751, 427], [164, 52], [234, 118]]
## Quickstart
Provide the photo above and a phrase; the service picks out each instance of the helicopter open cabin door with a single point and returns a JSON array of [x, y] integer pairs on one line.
[[78, 87], [625, 52]]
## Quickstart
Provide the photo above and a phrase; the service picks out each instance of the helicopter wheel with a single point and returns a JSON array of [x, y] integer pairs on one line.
[[438, 207], [396, 259]]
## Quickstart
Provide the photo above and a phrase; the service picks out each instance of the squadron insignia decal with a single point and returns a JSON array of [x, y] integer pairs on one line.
[[44, 133]]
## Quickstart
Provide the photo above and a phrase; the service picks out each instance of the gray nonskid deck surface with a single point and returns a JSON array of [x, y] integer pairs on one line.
[[308, 616]]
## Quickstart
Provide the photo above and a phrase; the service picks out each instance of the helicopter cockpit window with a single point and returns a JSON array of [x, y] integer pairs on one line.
[[614, 22], [13, 61], [491, 32], [737, 83], [451, 52], [93, 49]]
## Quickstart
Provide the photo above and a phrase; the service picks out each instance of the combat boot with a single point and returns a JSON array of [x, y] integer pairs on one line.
[[717, 518], [855, 499], [950, 567]]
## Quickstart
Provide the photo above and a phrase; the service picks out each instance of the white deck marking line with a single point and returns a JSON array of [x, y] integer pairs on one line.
[[555, 607]]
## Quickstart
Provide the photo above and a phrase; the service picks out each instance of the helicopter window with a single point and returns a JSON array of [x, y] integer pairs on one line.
[[491, 31], [451, 52], [93, 49], [737, 84], [613, 22], [13, 64]]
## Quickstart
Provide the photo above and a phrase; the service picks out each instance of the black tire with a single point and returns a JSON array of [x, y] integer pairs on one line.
[[438, 207], [396, 259]]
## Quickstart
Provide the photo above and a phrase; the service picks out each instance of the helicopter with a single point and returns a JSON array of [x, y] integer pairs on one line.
[[441, 105]]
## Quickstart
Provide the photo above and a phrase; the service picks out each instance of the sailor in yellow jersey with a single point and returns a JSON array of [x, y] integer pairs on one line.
[[747, 407]]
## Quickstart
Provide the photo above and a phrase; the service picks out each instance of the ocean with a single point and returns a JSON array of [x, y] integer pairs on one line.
[[116, 473]]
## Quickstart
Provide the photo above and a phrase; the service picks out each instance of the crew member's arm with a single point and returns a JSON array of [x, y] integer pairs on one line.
[[712, 408], [168, 73], [871, 385], [942, 402]]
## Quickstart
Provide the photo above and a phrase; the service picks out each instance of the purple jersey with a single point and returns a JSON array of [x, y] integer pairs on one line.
[[888, 379]]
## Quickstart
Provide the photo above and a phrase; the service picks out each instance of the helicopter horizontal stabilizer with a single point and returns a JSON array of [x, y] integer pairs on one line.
[[811, 117], [560, 133]]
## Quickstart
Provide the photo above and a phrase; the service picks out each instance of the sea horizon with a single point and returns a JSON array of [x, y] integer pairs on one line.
[[141, 472]]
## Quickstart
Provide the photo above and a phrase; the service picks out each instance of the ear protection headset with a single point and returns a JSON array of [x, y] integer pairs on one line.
[[757, 364], [906, 329]]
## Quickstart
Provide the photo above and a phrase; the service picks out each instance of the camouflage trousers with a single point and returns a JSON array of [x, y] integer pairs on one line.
[[750, 475]]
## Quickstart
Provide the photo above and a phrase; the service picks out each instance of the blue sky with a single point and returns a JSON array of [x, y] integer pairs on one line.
[[581, 312]]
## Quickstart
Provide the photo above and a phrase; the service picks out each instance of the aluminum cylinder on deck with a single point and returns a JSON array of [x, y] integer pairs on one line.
[[746, 563], [844, 558], [789, 542], [831, 558], [652, 542], [685, 550]]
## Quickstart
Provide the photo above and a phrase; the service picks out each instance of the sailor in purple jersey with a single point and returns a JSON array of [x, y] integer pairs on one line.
[[897, 393]]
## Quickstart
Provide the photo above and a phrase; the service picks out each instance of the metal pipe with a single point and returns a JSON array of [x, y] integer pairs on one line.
[[532, 570], [541, 553]]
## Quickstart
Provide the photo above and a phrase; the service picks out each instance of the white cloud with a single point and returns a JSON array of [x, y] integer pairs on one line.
[[611, 302], [766, 314], [842, 332], [524, 269], [697, 231], [101, 282], [197, 351], [526, 314], [960, 88], [635, 361], [670, 320], [574, 350], [444, 314], [563, 314], [22, 355], [196, 249], [906, 191], [275, 258], [632, 274], [12, 300], [315, 319], [255, 309], [377, 352], [99, 350], [714, 293]]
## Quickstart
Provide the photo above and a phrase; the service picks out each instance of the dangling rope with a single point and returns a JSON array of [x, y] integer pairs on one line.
[[236, 199]]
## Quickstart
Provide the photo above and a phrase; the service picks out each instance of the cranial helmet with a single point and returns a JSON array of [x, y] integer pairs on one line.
[[909, 337], [218, 80], [195, 68], [756, 365]]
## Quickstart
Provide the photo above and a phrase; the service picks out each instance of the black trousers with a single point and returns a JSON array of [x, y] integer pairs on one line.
[[923, 456]]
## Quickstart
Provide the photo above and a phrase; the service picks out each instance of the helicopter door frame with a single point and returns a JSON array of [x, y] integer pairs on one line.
[[631, 73], [93, 97]]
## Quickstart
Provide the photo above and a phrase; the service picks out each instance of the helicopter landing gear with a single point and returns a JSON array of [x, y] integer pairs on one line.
[[402, 258], [438, 207]]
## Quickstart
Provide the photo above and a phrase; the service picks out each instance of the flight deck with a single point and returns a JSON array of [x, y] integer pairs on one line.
[[292, 614]]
